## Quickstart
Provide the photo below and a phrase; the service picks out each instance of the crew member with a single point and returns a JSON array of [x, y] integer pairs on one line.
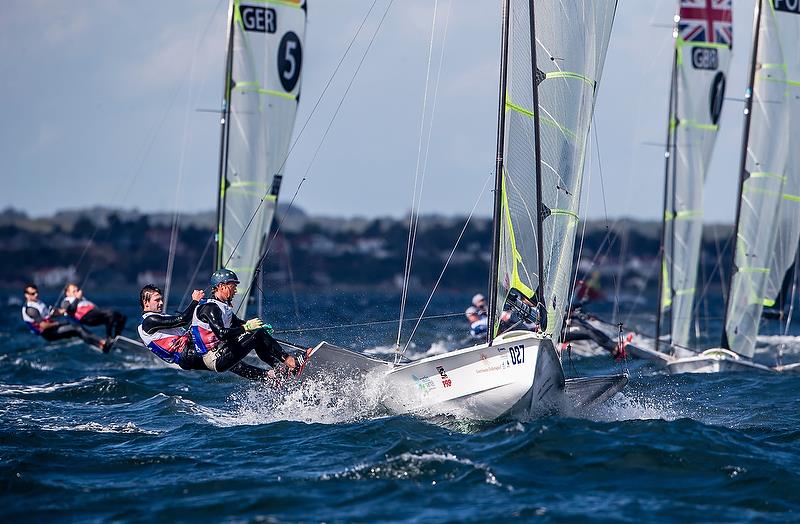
[[223, 339], [85, 312], [478, 324], [479, 303], [169, 338], [38, 318], [579, 328]]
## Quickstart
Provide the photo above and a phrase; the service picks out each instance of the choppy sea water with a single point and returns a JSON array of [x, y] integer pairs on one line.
[[119, 437]]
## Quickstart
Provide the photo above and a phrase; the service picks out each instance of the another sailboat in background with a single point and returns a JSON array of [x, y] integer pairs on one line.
[[768, 212], [263, 65], [551, 63], [261, 92]]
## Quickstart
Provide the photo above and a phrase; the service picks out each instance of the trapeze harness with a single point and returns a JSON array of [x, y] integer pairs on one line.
[[168, 344], [84, 306], [34, 323], [205, 339]]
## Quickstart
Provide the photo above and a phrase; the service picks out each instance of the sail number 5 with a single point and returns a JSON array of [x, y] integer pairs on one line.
[[290, 60], [517, 354]]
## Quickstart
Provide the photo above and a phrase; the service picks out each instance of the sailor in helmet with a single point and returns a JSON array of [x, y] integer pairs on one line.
[[169, 338], [223, 339]]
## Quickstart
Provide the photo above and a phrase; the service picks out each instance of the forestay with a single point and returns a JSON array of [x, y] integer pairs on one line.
[[571, 42], [262, 91], [703, 40], [767, 232]]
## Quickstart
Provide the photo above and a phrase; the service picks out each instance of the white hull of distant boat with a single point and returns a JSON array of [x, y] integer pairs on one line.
[[715, 360], [518, 377]]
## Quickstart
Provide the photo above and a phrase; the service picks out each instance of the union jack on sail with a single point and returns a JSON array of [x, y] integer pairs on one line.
[[706, 21]]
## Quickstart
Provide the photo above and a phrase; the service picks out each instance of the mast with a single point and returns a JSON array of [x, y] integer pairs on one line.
[[748, 107], [536, 123], [223, 141], [668, 155], [498, 177]]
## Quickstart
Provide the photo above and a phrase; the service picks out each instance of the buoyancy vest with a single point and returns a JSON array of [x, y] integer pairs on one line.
[[205, 339], [30, 321], [167, 344], [84, 306]]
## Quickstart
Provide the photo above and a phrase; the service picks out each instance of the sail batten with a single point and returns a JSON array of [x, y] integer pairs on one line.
[[263, 87]]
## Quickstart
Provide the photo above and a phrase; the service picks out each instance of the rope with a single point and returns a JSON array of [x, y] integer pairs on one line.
[[447, 262], [416, 196], [362, 324], [196, 270]]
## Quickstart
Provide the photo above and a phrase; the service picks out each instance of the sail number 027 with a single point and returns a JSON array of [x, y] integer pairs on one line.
[[517, 354]]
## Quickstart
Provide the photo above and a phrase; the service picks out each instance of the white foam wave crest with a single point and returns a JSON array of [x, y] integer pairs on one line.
[[96, 427], [624, 406], [770, 343], [22, 389], [438, 347], [329, 399], [410, 465]]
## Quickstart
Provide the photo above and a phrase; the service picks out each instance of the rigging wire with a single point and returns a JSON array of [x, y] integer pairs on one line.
[[314, 110], [416, 196], [362, 324], [196, 270], [399, 355]]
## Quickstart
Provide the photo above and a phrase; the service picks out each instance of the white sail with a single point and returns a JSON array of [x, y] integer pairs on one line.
[[765, 176], [571, 42], [785, 31], [701, 64], [263, 90]]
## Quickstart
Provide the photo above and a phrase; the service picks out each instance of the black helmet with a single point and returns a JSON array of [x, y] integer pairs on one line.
[[222, 276]]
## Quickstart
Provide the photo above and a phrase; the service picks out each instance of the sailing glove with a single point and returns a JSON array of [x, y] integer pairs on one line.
[[253, 324]]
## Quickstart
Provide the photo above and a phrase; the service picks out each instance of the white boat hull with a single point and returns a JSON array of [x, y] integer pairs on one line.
[[518, 377], [715, 360]]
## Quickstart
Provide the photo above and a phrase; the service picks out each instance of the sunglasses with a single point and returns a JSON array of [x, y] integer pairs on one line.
[[31, 292]]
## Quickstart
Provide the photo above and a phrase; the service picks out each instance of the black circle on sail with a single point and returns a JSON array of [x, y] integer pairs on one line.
[[290, 60], [716, 96]]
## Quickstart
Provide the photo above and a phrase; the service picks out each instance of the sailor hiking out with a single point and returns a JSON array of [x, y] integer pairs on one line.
[[170, 339], [51, 327], [87, 313], [223, 339]]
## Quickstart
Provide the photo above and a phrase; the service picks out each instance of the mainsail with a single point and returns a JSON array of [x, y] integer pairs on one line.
[[767, 221], [544, 150], [703, 41], [262, 88]]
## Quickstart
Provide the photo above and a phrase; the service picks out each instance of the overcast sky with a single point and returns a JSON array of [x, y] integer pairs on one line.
[[106, 102]]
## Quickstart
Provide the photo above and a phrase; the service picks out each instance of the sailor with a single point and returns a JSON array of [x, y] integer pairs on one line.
[[52, 327], [85, 312], [479, 302], [223, 339], [478, 324], [169, 338]]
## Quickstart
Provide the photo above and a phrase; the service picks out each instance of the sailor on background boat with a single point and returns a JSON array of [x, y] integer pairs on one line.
[[223, 339], [52, 327], [169, 338], [87, 313], [478, 323]]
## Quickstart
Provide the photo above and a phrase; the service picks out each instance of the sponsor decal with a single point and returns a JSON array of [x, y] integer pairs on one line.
[[788, 6], [487, 365], [425, 384], [258, 19], [446, 382]]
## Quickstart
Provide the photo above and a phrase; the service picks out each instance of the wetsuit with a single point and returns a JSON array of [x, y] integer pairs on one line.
[[220, 337], [35, 313], [168, 337], [85, 312]]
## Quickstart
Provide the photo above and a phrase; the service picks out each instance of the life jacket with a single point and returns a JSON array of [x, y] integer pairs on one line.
[[205, 339], [479, 328], [84, 306], [167, 344], [34, 324]]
